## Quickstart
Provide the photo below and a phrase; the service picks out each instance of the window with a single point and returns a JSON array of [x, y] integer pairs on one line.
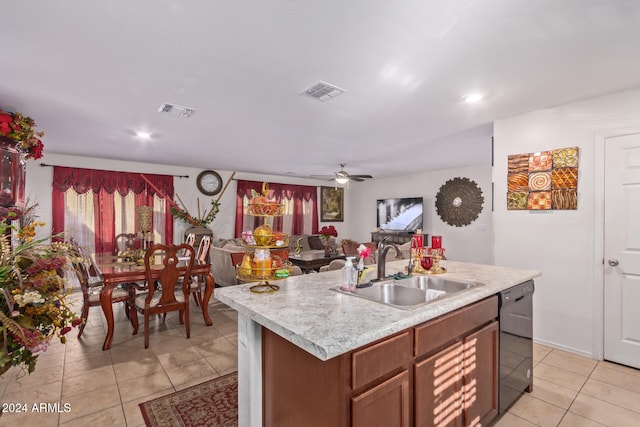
[[300, 207], [95, 206]]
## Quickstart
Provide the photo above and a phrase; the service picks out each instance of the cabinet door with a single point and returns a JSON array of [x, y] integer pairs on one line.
[[438, 388], [480, 367], [385, 405]]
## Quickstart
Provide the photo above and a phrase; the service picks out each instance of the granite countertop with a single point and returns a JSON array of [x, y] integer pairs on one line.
[[327, 323]]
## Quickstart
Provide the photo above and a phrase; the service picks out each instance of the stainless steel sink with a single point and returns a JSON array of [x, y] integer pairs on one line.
[[392, 294], [436, 284], [412, 292]]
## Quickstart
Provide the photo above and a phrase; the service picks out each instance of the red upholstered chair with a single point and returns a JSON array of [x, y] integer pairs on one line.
[[169, 295]]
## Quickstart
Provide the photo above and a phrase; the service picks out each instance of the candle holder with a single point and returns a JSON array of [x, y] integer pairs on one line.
[[436, 256], [416, 264]]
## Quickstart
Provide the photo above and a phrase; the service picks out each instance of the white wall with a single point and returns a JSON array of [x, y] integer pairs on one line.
[[561, 244], [472, 243]]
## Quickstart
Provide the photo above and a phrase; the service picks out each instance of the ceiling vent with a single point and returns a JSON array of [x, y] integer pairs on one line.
[[322, 91], [176, 110]]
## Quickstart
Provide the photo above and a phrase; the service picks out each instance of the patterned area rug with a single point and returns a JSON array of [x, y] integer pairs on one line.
[[213, 403]]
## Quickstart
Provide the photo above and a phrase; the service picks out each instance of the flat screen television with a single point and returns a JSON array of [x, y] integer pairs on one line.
[[400, 214]]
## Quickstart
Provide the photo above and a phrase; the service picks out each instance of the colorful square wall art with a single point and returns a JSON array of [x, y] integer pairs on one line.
[[544, 180]]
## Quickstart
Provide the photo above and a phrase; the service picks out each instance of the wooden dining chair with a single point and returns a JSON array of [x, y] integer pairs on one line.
[[91, 286], [191, 241], [169, 295], [198, 281], [125, 242]]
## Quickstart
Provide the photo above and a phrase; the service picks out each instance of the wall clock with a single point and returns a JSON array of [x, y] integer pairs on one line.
[[209, 182], [459, 202]]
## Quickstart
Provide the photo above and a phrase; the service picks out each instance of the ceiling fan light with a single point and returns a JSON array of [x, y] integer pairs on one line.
[[342, 179]]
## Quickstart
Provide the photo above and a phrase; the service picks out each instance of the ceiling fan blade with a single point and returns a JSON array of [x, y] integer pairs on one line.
[[355, 178], [360, 176]]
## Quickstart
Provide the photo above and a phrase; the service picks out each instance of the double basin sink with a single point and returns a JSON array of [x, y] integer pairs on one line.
[[410, 292]]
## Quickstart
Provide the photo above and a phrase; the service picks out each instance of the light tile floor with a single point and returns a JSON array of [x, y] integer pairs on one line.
[[575, 391], [104, 388]]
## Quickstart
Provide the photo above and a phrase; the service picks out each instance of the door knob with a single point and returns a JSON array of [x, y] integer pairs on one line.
[[613, 262]]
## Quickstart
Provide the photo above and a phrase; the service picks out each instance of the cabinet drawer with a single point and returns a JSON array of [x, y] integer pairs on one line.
[[372, 363], [441, 331]]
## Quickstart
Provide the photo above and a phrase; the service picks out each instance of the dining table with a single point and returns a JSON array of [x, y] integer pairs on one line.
[[122, 273]]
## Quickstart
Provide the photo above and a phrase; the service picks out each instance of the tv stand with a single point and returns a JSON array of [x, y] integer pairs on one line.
[[398, 237]]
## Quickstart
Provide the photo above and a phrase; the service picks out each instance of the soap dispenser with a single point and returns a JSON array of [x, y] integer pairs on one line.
[[348, 275]]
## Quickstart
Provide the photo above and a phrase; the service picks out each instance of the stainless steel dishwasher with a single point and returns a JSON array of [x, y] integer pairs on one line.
[[516, 343]]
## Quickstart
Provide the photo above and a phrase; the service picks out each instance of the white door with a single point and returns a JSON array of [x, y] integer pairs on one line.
[[622, 250]]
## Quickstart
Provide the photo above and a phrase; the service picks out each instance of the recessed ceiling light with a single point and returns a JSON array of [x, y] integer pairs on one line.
[[143, 135], [472, 98]]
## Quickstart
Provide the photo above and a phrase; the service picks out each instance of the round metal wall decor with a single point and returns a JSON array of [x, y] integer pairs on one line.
[[459, 202]]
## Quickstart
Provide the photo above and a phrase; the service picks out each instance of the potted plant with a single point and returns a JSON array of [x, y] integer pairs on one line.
[[33, 310]]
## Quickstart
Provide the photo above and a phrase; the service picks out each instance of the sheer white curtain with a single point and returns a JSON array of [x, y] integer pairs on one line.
[[159, 215], [287, 218], [79, 218], [124, 205], [307, 216]]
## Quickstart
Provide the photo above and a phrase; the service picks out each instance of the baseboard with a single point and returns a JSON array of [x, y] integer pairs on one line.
[[564, 348]]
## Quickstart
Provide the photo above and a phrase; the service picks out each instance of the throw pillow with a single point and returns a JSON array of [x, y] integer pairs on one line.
[[293, 239], [315, 242], [305, 243]]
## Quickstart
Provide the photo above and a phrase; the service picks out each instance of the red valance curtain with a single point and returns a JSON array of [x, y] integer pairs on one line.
[[104, 184], [278, 192], [83, 180]]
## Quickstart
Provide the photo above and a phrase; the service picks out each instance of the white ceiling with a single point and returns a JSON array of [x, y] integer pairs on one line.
[[93, 73]]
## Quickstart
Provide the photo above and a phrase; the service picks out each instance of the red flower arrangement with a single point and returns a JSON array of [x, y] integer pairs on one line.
[[21, 129], [328, 231]]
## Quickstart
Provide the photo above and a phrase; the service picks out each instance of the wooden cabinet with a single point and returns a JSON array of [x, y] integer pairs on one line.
[[481, 375], [438, 388], [457, 383], [397, 237], [441, 373], [386, 404]]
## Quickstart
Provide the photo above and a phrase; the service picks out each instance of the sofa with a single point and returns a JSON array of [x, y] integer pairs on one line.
[[222, 265]]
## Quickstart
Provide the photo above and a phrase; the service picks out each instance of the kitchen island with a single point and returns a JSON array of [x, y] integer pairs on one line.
[[327, 328]]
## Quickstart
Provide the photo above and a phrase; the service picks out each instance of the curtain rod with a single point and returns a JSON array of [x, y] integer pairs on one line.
[[51, 166], [317, 186]]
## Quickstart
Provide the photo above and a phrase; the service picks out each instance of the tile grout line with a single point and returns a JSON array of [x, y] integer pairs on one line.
[[613, 385], [578, 394]]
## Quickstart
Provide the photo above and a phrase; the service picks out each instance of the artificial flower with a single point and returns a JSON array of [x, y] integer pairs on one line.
[[22, 130], [328, 231], [33, 309], [364, 251]]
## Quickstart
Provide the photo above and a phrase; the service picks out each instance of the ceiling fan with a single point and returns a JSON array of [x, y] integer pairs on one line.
[[342, 176]]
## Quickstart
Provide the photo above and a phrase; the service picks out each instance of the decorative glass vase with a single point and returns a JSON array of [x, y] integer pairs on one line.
[[327, 248], [13, 170]]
